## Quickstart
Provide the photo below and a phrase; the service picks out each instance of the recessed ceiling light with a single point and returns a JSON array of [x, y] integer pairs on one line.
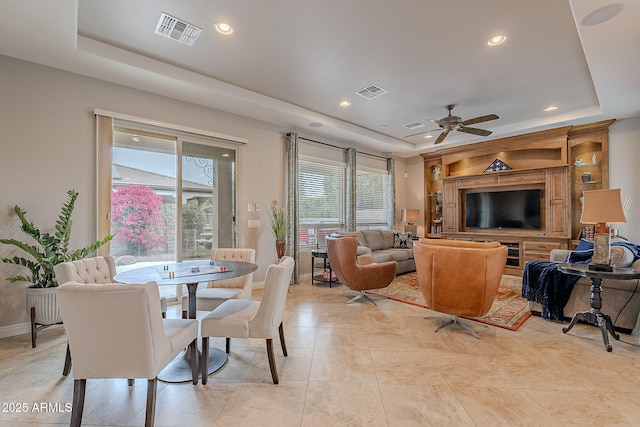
[[315, 124], [495, 41], [428, 136], [345, 103], [223, 28], [225, 155], [551, 108]]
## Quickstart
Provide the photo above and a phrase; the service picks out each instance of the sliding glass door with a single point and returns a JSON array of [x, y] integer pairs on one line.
[[172, 198]]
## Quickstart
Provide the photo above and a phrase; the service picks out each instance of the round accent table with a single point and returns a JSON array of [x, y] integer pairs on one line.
[[594, 316]]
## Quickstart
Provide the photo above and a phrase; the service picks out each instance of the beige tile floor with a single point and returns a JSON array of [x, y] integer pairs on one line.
[[356, 365]]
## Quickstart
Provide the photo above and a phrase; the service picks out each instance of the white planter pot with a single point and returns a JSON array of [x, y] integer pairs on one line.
[[46, 305]]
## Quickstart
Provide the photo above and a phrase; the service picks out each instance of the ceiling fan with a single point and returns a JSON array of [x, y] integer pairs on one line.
[[451, 123]]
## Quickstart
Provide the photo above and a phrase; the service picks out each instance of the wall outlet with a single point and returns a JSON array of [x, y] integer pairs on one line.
[[257, 207], [250, 207]]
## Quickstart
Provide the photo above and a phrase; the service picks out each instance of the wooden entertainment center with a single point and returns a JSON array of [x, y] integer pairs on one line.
[[561, 163]]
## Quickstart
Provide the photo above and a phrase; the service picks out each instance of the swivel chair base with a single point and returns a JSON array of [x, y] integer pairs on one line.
[[455, 320], [363, 296]]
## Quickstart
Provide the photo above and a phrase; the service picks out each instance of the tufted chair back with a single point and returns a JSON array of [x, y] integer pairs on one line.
[[245, 283], [135, 343], [99, 269]]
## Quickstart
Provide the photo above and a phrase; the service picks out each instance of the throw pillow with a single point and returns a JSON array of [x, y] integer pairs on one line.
[[584, 245], [621, 256], [580, 257], [402, 240]]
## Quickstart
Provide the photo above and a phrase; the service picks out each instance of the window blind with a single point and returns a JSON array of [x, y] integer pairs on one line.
[[371, 198]]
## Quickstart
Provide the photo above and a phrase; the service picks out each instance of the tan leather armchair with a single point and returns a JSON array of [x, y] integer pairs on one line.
[[459, 277], [358, 273]]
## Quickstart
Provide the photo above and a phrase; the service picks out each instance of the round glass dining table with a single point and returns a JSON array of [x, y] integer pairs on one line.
[[188, 273]]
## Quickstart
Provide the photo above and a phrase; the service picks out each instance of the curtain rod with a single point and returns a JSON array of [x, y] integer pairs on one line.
[[342, 148]]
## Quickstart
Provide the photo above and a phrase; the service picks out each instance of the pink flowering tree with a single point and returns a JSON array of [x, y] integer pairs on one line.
[[136, 218]]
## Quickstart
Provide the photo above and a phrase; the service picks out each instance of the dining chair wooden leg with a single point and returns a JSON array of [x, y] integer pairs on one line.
[[194, 361], [204, 361], [34, 329], [79, 387], [272, 361], [282, 343], [152, 388], [67, 362], [228, 346]]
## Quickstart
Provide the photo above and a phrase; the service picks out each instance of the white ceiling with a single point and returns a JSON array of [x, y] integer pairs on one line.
[[291, 62]]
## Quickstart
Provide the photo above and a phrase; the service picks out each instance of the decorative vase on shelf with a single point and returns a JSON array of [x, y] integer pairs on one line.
[[280, 246]]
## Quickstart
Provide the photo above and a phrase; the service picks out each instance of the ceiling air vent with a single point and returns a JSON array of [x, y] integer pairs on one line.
[[414, 125], [371, 91], [180, 31]]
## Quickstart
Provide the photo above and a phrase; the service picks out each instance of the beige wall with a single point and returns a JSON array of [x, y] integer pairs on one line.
[[624, 170]]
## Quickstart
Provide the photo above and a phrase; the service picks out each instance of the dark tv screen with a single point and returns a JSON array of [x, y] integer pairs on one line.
[[504, 209]]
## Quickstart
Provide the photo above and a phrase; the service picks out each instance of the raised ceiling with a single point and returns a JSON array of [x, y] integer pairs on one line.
[[291, 63]]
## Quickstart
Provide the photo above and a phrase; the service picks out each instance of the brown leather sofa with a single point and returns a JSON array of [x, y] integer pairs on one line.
[[459, 277], [359, 273]]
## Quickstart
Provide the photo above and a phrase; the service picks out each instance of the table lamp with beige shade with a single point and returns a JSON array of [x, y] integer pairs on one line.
[[602, 207], [409, 216]]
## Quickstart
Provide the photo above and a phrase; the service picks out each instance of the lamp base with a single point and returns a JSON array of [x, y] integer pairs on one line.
[[601, 267]]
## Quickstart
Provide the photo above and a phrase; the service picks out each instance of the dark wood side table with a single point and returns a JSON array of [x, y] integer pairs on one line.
[[594, 316], [322, 254]]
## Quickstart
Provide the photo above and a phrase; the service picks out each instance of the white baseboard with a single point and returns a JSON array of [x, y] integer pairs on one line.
[[13, 330]]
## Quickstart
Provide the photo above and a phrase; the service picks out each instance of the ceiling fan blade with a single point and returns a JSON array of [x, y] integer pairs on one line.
[[474, 131], [441, 138], [480, 119], [420, 133]]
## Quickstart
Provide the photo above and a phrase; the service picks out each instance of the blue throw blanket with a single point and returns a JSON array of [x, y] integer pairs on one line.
[[543, 283]]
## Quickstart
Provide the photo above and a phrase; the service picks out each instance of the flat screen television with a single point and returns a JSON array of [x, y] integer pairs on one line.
[[504, 209]]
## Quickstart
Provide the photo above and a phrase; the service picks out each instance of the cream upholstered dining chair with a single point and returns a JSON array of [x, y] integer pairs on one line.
[[459, 277], [219, 291], [238, 318], [359, 273], [136, 342], [100, 269]]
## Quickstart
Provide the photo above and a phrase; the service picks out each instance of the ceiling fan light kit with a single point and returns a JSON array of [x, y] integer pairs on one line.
[[455, 123]]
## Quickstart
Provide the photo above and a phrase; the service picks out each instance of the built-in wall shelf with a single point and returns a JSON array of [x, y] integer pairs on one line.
[[561, 163]]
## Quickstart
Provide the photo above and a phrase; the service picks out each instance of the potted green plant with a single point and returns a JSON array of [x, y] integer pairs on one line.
[[44, 251], [278, 217]]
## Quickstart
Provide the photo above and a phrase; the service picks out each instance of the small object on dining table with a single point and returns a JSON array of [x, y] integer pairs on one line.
[[195, 269], [212, 263]]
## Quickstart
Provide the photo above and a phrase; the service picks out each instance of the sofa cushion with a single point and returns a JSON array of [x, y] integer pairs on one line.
[[374, 240], [392, 255]]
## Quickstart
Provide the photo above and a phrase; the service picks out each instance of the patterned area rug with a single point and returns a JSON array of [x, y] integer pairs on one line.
[[509, 310]]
